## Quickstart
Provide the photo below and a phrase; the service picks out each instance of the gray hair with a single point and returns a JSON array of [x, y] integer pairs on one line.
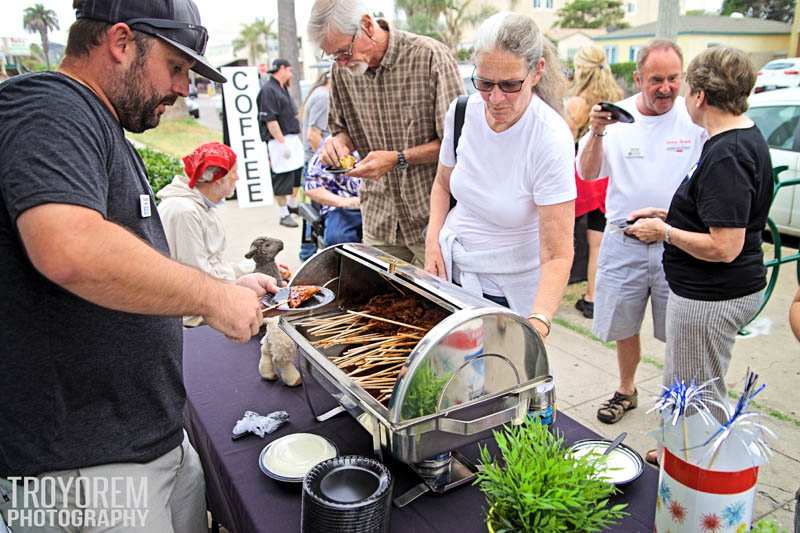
[[520, 36], [344, 16], [652, 46]]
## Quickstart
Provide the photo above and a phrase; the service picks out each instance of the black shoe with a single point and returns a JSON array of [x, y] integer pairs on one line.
[[586, 307], [288, 221], [293, 210]]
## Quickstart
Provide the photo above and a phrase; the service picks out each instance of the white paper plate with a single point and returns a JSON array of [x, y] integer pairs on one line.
[[623, 464], [289, 458]]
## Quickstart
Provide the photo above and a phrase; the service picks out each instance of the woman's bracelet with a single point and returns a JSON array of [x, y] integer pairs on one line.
[[543, 319]]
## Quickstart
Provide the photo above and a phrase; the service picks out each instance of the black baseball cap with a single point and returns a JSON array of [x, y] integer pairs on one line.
[[277, 64], [176, 22]]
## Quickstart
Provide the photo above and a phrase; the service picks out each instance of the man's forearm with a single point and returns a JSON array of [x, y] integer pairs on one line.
[[591, 159], [275, 131], [424, 153], [105, 264]]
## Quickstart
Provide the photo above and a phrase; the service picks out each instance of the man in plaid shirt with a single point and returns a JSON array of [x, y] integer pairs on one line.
[[391, 90]]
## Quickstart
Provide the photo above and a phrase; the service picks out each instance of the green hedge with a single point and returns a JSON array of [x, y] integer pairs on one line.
[[161, 168], [624, 72]]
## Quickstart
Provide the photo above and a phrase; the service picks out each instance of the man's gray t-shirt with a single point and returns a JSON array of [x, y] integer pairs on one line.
[[316, 115], [81, 385]]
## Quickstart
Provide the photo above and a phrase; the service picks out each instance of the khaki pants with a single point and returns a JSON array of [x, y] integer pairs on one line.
[[414, 253], [166, 495]]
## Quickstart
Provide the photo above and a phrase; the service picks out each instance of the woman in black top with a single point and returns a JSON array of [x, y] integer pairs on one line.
[[712, 232]]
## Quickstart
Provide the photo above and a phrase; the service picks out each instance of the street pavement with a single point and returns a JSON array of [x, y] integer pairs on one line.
[[586, 370]]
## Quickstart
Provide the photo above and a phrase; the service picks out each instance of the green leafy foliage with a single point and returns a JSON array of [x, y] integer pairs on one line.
[[782, 10], [767, 526], [161, 168], [624, 72], [592, 14], [542, 487], [424, 392]]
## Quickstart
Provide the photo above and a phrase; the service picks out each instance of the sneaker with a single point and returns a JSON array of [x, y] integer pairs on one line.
[[288, 221], [614, 409], [293, 210], [585, 307]]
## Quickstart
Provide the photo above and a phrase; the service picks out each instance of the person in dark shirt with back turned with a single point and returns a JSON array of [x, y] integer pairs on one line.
[[91, 364], [712, 258]]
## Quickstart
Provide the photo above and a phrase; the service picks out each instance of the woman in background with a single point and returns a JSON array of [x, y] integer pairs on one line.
[[593, 82]]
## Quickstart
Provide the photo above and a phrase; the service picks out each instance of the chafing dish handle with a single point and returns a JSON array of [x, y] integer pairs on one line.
[[478, 425]]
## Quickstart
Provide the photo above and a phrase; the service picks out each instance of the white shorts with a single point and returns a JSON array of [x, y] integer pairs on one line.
[[628, 272]]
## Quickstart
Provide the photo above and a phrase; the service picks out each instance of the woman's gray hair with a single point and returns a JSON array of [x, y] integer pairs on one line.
[[519, 35], [344, 16]]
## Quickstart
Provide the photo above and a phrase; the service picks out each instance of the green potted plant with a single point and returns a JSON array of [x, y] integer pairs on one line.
[[542, 487]]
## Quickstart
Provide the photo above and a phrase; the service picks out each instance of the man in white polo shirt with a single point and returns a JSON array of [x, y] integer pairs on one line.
[[646, 161]]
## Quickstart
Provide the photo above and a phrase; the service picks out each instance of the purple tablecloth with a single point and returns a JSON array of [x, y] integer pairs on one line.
[[222, 382]]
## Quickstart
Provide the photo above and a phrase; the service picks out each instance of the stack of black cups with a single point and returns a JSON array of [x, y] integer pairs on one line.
[[351, 494]]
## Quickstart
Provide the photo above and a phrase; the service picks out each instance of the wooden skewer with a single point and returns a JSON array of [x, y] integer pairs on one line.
[[396, 323]]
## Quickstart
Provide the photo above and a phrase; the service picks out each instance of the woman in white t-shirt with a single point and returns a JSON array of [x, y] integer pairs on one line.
[[510, 232]]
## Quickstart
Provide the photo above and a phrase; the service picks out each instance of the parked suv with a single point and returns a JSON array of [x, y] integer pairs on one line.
[[777, 115]]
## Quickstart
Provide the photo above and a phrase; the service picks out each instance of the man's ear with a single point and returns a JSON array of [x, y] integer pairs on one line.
[[637, 79], [120, 42], [366, 25]]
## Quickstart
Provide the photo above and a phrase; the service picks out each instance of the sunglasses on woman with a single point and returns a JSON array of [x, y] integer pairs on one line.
[[506, 86]]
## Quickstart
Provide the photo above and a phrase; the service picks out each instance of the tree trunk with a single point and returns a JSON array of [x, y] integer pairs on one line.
[[287, 44], [46, 48], [668, 13]]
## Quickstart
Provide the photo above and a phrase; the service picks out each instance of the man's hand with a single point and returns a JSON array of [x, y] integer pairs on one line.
[[332, 150], [259, 283], [648, 230], [236, 310], [599, 119], [648, 212], [375, 165]]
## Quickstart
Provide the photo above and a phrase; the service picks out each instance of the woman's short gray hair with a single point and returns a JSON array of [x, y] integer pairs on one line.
[[519, 35], [344, 16]]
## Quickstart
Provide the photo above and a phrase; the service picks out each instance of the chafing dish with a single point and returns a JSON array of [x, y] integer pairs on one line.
[[481, 367]]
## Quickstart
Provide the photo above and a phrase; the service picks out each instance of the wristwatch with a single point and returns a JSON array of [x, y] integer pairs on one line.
[[402, 163]]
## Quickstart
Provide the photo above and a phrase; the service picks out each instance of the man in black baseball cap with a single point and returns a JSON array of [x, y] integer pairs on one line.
[[176, 22]]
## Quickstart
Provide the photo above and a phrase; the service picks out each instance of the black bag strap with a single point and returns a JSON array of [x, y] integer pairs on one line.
[[458, 125], [458, 122]]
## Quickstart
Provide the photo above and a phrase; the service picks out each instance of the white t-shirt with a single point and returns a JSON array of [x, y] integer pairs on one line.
[[501, 177], [646, 161]]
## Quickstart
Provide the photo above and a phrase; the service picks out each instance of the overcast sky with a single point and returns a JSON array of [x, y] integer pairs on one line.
[[222, 18]]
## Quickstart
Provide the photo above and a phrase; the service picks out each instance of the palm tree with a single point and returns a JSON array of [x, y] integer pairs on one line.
[[38, 19], [254, 38], [461, 13], [287, 43]]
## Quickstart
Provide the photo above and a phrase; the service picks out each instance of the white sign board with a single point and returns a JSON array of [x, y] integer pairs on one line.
[[254, 187], [15, 46]]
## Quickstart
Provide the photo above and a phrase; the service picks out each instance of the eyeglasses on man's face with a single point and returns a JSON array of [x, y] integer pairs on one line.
[[342, 54], [506, 86]]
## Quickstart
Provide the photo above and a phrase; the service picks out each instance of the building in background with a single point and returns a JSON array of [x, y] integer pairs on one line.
[[763, 40], [569, 40]]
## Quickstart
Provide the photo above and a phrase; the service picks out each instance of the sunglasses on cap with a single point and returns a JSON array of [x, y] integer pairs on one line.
[[191, 35]]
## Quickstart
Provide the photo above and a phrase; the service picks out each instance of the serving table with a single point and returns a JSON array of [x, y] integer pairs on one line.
[[222, 382]]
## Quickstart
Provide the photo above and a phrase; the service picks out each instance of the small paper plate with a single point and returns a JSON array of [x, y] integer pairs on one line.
[[624, 463], [289, 458], [338, 170], [323, 297]]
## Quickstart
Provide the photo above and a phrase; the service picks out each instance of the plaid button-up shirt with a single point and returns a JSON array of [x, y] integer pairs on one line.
[[399, 105]]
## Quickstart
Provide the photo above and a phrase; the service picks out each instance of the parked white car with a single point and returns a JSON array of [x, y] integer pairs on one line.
[[777, 115], [778, 74]]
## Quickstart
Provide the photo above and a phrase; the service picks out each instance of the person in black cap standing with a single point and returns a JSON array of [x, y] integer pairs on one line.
[[277, 118], [92, 339]]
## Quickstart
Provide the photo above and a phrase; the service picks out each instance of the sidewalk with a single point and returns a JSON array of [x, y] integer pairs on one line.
[[586, 370]]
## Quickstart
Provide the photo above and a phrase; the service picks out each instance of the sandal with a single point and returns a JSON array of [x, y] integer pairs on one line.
[[614, 409], [585, 307]]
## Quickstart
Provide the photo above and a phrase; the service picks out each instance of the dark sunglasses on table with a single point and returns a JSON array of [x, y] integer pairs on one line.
[[506, 86], [191, 35]]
